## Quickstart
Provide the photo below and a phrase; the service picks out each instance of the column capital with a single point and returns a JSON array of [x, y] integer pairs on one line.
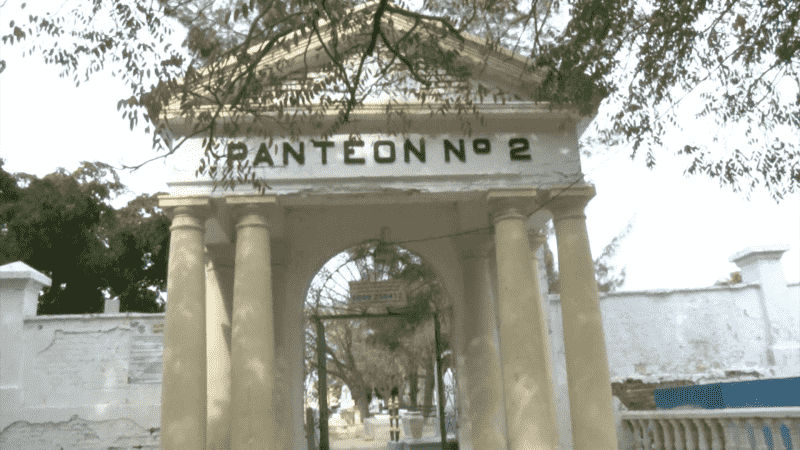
[[512, 203], [195, 206], [570, 202], [251, 210], [188, 212]]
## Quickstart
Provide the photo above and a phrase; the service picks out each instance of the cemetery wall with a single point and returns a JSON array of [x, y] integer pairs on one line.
[[91, 381]]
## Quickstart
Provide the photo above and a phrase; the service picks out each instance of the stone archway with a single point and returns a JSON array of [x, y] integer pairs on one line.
[[457, 189], [336, 227], [439, 231], [367, 288]]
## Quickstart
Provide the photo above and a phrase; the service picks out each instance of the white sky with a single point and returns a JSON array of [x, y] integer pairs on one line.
[[686, 228]]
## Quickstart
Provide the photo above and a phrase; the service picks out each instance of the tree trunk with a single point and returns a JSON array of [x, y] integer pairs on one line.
[[362, 403], [429, 380]]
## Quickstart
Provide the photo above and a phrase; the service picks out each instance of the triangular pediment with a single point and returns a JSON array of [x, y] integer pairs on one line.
[[402, 139], [303, 58]]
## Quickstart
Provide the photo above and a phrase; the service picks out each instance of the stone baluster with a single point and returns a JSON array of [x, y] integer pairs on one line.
[[669, 433], [183, 386], [774, 427], [758, 433], [732, 434], [679, 434], [631, 443], [642, 436], [703, 436], [749, 433], [633, 425], [716, 437], [793, 425], [690, 434], [658, 434]]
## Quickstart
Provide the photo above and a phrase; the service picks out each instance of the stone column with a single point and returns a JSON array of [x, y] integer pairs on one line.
[[537, 239], [530, 409], [252, 334], [219, 304], [289, 345], [183, 386], [482, 363], [584, 341]]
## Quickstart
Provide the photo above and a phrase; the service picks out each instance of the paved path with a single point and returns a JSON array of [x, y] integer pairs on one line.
[[357, 444], [380, 443]]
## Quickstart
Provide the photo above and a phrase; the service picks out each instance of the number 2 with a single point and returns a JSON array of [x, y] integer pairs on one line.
[[518, 148]]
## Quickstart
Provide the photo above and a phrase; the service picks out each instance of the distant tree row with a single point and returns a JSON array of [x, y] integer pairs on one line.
[[63, 226]]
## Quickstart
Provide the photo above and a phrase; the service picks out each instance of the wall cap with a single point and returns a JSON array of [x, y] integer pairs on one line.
[[554, 298], [766, 252], [96, 316], [21, 271]]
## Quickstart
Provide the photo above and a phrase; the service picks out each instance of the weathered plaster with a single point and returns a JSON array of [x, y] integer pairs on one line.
[[79, 434]]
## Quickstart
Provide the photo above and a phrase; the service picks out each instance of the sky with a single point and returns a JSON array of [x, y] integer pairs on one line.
[[685, 228]]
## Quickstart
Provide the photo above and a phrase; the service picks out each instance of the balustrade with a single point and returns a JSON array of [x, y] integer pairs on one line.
[[718, 429]]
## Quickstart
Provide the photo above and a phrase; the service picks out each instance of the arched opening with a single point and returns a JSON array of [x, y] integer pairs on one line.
[[380, 304]]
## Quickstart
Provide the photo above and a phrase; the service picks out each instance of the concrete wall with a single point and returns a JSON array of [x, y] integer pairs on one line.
[[699, 332], [78, 381], [93, 381], [89, 381]]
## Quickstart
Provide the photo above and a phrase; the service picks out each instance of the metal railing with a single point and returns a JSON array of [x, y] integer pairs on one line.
[[711, 429]]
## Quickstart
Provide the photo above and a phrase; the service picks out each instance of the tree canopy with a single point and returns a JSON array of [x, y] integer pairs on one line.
[[639, 60], [63, 226]]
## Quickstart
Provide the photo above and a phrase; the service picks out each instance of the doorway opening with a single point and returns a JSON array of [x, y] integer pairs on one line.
[[374, 315]]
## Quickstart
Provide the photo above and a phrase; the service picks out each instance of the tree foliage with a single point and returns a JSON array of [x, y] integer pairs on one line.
[[63, 226], [734, 278], [640, 59]]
